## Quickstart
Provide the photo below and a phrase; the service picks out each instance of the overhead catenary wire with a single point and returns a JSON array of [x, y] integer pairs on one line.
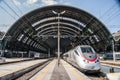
[[17, 7], [113, 15], [7, 12], [108, 11], [112, 18], [110, 15], [114, 26], [22, 13], [10, 8], [16, 13], [19, 16]]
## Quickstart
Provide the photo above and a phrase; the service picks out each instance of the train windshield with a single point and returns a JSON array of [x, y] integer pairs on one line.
[[0, 54], [87, 50]]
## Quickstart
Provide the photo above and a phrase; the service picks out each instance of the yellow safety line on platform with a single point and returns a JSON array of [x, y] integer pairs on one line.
[[114, 74], [76, 73], [45, 71]]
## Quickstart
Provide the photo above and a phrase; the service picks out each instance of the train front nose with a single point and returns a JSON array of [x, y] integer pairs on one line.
[[93, 66]]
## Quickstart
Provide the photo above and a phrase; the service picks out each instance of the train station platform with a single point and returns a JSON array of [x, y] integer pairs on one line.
[[10, 60], [63, 71], [13, 60], [113, 76], [52, 71], [9, 70], [111, 63], [16, 59]]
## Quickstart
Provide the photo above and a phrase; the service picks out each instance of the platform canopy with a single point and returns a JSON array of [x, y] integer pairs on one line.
[[37, 30]]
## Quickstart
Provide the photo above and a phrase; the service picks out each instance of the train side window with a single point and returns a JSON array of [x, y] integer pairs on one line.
[[76, 52], [66, 55]]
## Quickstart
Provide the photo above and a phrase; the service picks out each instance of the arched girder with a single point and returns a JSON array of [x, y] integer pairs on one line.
[[55, 27], [54, 23], [55, 30], [61, 26], [69, 13], [62, 33], [35, 41], [54, 19]]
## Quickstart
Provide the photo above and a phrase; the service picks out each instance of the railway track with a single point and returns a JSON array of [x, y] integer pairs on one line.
[[92, 76], [22, 73], [27, 75], [96, 76]]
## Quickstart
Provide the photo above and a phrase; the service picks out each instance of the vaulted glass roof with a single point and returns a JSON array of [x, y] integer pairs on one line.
[[37, 30]]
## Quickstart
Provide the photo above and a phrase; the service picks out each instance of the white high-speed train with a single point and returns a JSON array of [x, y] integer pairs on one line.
[[85, 57]]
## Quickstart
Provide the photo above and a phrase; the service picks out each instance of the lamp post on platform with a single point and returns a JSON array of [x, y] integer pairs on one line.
[[58, 14]]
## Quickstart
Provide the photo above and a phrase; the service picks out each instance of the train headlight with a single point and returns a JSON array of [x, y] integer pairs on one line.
[[86, 61], [97, 61]]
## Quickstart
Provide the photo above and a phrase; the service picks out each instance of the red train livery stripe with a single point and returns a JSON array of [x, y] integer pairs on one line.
[[93, 60]]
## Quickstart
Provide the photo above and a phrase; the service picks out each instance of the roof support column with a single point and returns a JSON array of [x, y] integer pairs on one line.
[[58, 14], [49, 53]]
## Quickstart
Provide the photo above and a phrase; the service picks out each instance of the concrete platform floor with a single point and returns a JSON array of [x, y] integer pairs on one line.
[[15, 59], [111, 63], [11, 68], [62, 72], [59, 73]]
